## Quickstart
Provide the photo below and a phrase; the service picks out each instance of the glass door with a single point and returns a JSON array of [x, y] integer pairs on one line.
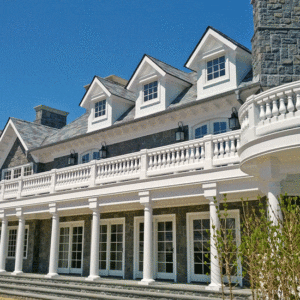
[[111, 248], [70, 253]]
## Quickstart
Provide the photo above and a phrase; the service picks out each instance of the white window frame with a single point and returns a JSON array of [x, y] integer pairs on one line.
[[211, 57], [190, 217], [156, 218], [107, 271], [26, 242], [12, 170], [70, 270], [90, 152], [210, 126], [145, 81], [105, 111]]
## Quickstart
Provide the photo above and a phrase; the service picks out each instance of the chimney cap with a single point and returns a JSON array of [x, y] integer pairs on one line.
[[50, 109]]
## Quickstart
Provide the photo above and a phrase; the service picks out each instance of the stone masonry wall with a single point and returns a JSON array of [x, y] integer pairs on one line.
[[276, 41]]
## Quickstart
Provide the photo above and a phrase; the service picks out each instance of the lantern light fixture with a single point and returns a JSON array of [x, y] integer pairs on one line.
[[71, 159], [234, 120], [103, 151], [179, 134]]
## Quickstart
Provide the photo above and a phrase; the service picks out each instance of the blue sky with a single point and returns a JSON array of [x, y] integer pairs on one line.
[[50, 49]]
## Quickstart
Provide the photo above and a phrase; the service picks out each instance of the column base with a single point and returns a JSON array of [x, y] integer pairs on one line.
[[2, 271], [93, 278], [214, 287], [52, 275], [16, 273], [147, 281]]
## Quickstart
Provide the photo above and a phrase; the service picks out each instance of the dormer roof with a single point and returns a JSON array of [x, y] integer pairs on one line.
[[161, 67], [110, 88], [223, 38]]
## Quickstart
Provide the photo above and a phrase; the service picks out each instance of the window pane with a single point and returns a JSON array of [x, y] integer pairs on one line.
[[150, 91]]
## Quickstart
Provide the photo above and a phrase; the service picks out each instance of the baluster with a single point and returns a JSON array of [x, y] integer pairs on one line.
[[187, 154], [232, 144], [150, 161], [262, 114], [182, 155], [268, 108], [164, 160], [177, 155], [290, 105], [237, 142], [159, 160], [221, 148], [136, 166], [168, 157], [298, 100], [275, 111], [227, 147], [192, 153], [197, 154], [202, 151], [154, 160], [216, 148], [282, 108], [173, 157], [123, 166]]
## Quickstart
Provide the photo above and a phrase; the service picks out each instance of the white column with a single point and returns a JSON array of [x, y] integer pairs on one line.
[[211, 193], [148, 252], [53, 261], [215, 274], [94, 260], [3, 242], [274, 210], [20, 243]]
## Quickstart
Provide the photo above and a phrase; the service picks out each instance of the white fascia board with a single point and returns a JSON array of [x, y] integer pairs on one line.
[[210, 33], [19, 136], [145, 61], [88, 95]]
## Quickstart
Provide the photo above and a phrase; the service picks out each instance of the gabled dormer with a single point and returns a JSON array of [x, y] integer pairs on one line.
[[220, 62], [106, 100], [157, 84]]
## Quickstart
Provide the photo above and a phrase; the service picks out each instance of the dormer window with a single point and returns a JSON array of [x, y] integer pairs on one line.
[[150, 91], [216, 68], [100, 108]]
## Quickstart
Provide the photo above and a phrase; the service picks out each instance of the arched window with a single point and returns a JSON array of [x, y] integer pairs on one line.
[[89, 155], [210, 127]]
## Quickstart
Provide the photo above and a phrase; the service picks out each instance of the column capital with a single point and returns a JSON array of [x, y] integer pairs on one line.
[[2, 214], [94, 205], [210, 191], [19, 212], [53, 209], [145, 198]]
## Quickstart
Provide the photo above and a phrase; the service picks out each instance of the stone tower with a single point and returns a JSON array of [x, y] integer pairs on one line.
[[276, 41]]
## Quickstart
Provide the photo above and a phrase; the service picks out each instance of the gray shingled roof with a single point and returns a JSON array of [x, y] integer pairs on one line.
[[172, 70], [32, 134], [76, 128], [117, 89]]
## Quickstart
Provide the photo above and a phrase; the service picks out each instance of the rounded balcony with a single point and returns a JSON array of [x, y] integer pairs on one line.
[[270, 129]]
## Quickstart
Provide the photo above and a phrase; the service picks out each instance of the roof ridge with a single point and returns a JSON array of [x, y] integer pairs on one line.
[[33, 123], [151, 57]]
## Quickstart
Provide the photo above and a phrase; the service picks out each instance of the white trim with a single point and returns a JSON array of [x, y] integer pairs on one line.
[[70, 270], [109, 272], [12, 169], [206, 215]]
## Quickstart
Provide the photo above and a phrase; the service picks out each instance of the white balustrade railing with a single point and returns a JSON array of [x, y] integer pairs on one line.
[[205, 153], [270, 111]]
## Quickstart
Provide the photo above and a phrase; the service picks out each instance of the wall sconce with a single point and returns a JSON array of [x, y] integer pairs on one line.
[[234, 120], [179, 134], [103, 151], [71, 159]]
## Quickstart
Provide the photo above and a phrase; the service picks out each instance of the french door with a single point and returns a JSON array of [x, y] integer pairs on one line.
[[198, 245], [70, 255], [164, 247], [111, 248]]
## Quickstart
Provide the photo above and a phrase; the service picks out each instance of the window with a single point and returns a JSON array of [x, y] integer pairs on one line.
[[12, 242], [17, 172], [100, 108], [211, 127], [7, 175], [28, 170], [216, 68], [86, 157], [150, 91]]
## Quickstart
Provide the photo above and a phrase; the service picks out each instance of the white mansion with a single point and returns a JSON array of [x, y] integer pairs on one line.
[[127, 189]]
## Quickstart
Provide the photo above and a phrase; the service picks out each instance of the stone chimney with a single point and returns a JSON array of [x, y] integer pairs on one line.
[[51, 117], [276, 41]]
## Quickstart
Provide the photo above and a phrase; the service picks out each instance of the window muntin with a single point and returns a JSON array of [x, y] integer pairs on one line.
[[85, 158], [150, 91], [211, 127], [100, 108], [7, 175], [28, 170], [201, 131], [17, 172], [220, 127], [216, 68], [12, 242]]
